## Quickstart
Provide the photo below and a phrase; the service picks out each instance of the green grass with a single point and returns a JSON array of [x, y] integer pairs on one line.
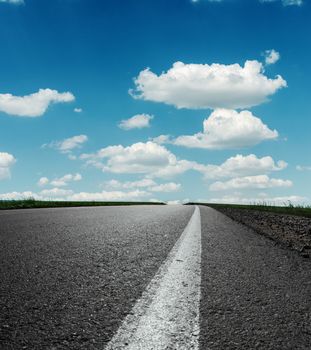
[[288, 208], [32, 203]]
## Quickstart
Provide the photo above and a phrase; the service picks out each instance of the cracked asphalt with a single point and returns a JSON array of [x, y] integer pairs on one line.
[[70, 276]]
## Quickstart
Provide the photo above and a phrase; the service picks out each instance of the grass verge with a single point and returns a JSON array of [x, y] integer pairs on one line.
[[32, 203]]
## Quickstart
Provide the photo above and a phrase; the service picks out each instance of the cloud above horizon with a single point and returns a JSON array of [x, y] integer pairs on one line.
[[138, 121], [33, 105], [15, 2], [203, 86], [227, 129], [67, 145], [61, 181], [284, 2], [7, 160], [271, 56], [240, 165], [250, 182], [139, 158]]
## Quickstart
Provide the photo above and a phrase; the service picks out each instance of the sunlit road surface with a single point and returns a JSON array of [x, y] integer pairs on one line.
[[147, 277]]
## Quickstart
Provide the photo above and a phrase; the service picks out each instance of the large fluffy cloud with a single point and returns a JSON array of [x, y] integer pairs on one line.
[[208, 86], [138, 121], [240, 165], [258, 181], [155, 160], [34, 105], [6, 162], [140, 158], [229, 129]]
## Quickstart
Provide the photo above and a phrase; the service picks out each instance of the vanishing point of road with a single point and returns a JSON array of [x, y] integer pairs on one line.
[[147, 277]]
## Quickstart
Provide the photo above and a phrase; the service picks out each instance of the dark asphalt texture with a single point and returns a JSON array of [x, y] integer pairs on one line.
[[69, 276], [255, 294]]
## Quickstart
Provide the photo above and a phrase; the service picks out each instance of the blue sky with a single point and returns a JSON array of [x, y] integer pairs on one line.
[[154, 99]]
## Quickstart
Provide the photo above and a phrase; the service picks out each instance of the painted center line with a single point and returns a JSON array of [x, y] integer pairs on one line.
[[167, 314]]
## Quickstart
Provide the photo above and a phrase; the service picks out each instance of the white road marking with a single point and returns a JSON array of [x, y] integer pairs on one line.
[[167, 314]]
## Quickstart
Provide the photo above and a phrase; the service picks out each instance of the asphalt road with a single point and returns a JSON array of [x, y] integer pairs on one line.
[[70, 277]]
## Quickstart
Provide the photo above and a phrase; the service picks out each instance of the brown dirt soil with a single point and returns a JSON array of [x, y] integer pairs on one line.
[[289, 230]]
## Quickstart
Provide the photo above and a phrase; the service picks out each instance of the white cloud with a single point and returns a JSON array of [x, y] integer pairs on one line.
[[34, 105], [7, 160], [64, 180], [284, 2], [167, 187], [43, 181], [303, 168], [58, 194], [78, 110], [55, 192], [161, 139], [67, 145], [240, 165], [140, 158], [18, 195], [271, 56], [129, 184], [148, 184], [225, 129], [287, 2], [155, 160], [16, 2], [138, 121], [208, 86], [258, 181], [108, 196]]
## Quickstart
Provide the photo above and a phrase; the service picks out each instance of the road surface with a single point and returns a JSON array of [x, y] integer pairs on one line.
[[147, 277]]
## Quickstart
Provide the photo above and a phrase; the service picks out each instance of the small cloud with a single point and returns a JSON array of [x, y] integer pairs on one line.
[[303, 168], [147, 183], [78, 110], [55, 192], [271, 56], [15, 2], [7, 160], [138, 121], [259, 181], [67, 145], [287, 2], [161, 139], [43, 181], [64, 180]]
